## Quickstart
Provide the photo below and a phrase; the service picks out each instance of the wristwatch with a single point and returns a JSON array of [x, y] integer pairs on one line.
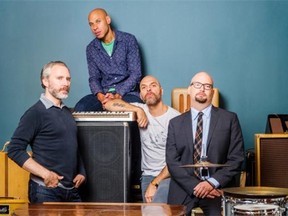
[[154, 183]]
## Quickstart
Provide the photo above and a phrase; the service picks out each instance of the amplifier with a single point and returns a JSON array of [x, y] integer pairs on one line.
[[111, 152], [271, 152], [277, 123], [104, 116]]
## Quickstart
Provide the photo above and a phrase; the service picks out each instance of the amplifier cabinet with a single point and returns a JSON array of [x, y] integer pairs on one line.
[[107, 154], [271, 152], [277, 123]]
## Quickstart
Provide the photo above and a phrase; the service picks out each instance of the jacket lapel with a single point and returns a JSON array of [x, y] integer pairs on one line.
[[213, 122], [188, 130]]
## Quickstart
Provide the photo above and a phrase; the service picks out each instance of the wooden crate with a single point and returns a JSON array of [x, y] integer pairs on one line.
[[13, 179]]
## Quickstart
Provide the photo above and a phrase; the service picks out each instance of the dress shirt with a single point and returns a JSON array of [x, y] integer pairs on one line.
[[206, 124]]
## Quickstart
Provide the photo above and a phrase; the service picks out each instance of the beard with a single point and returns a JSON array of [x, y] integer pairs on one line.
[[58, 93], [152, 99], [200, 99]]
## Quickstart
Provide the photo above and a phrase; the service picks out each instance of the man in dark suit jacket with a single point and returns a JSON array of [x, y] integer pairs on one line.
[[222, 143]]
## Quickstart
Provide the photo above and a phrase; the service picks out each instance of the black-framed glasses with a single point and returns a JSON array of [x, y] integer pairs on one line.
[[199, 85]]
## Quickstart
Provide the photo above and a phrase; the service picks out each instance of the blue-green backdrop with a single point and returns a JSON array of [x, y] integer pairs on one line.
[[242, 44]]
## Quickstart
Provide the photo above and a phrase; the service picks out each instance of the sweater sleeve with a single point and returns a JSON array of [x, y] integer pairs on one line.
[[22, 137]]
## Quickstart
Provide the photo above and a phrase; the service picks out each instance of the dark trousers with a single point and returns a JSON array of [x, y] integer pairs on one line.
[[40, 194], [210, 207]]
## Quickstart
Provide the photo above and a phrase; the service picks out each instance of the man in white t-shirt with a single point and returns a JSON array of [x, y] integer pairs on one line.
[[153, 118]]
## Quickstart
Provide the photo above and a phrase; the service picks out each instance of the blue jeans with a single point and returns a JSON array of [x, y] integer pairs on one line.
[[92, 104], [40, 194], [161, 194]]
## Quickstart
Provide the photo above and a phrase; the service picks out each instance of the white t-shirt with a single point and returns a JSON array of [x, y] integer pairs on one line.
[[153, 140]]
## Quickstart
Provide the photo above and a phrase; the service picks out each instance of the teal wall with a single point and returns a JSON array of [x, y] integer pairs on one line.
[[242, 44]]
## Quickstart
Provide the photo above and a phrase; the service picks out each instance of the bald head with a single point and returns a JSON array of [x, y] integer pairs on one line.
[[151, 90], [150, 79], [202, 77], [201, 90], [98, 11], [99, 22]]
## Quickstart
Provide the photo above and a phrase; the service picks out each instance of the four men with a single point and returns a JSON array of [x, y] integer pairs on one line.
[[114, 73]]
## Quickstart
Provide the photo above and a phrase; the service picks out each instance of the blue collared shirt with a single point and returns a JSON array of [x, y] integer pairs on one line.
[[48, 103], [120, 71], [206, 123]]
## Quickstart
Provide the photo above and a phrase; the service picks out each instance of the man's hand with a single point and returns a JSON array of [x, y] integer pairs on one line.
[[78, 180], [203, 189], [51, 179], [104, 98], [142, 119], [215, 193], [150, 192], [117, 96], [100, 96]]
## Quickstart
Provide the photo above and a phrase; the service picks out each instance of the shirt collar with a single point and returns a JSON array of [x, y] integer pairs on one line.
[[118, 37], [48, 103], [206, 112]]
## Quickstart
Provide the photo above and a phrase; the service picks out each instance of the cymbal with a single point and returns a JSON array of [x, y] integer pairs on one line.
[[204, 164]]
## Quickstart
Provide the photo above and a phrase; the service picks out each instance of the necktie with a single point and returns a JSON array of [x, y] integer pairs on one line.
[[198, 143]]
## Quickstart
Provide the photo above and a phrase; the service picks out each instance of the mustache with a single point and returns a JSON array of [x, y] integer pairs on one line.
[[65, 89], [149, 93], [200, 95]]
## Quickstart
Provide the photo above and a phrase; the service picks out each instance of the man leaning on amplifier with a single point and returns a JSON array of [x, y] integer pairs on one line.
[[153, 118]]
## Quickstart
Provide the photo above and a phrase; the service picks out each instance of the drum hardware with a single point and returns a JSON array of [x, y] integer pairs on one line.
[[251, 196], [256, 209], [204, 164]]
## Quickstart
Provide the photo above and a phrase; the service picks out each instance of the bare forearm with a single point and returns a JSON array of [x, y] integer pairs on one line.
[[153, 186], [35, 168], [50, 178], [120, 105], [162, 175]]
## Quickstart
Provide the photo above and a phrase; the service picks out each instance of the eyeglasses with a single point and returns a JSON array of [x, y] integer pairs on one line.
[[199, 85]]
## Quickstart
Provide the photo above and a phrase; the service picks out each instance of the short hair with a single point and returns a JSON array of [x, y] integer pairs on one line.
[[46, 70]]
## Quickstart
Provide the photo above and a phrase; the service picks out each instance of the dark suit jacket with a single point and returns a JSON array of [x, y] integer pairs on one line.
[[224, 146]]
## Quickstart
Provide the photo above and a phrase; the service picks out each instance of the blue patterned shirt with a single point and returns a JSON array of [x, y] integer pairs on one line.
[[121, 71]]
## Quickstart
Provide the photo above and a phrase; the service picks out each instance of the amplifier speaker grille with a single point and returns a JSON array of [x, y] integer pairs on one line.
[[106, 153], [271, 160]]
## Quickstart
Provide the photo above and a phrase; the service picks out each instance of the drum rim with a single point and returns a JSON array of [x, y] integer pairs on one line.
[[269, 207], [256, 192]]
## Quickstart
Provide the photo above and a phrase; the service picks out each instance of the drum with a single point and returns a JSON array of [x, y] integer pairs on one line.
[[258, 209], [253, 195]]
